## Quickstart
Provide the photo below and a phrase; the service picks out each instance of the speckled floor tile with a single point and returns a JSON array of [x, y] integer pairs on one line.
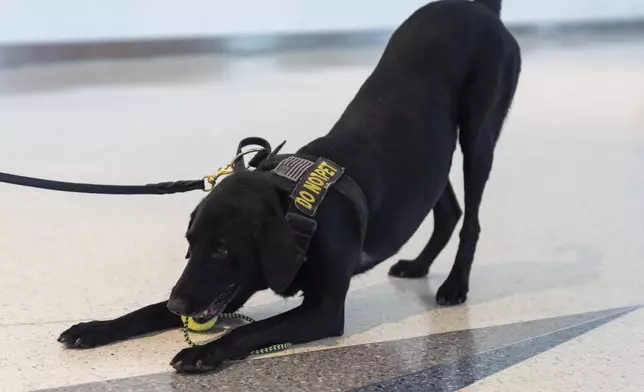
[[443, 362], [453, 375], [608, 359], [28, 357], [562, 215]]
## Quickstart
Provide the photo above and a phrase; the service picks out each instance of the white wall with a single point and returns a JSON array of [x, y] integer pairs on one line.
[[29, 21]]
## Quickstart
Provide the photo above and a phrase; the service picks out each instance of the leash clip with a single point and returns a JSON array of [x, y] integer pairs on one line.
[[210, 181]]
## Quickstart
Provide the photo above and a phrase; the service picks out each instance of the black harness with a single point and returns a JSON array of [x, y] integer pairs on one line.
[[312, 180]]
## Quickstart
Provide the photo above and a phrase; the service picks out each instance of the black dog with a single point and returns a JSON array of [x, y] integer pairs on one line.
[[448, 74]]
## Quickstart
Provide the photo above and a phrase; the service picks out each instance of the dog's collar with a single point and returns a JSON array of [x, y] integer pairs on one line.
[[313, 178]]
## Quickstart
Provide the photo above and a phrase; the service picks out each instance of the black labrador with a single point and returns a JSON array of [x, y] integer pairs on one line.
[[448, 74]]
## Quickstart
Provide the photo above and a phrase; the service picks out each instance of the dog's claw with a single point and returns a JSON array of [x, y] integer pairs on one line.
[[196, 359], [88, 335], [201, 367], [452, 293]]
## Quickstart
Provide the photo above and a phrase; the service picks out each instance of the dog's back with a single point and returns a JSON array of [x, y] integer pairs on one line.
[[397, 136]]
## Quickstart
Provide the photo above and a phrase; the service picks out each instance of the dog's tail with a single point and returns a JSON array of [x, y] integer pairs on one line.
[[494, 5]]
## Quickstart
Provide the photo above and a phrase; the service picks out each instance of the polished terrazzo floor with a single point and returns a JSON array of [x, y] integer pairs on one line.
[[557, 283]]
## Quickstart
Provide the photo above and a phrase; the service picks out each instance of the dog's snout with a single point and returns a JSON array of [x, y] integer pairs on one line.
[[179, 306]]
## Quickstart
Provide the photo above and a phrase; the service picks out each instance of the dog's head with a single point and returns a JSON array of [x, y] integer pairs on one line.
[[239, 242]]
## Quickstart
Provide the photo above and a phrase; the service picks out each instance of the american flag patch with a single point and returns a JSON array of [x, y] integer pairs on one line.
[[293, 168]]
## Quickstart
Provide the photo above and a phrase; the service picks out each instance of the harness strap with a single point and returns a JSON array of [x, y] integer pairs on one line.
[[302, 220], [303, 229], [352, 191]]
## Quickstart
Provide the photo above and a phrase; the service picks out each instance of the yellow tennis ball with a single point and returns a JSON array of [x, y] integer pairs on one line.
[[199, 327]]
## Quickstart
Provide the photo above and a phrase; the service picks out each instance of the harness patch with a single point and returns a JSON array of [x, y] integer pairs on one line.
[[293, 168], [314, 185]]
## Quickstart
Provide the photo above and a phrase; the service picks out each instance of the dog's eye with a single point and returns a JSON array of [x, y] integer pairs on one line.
[[221, 251]]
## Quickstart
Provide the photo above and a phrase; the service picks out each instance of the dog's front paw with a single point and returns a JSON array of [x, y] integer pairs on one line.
[[88, 335], [452, 292], [200, 359], [409, 269]]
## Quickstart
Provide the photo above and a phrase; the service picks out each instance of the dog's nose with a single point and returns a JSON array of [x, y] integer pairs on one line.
[[178, 306]]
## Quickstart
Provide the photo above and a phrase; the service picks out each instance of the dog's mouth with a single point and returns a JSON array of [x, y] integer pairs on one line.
[[217, 306]]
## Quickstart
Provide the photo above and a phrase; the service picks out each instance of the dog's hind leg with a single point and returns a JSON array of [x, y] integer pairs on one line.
[[485, 104], [447, 213]]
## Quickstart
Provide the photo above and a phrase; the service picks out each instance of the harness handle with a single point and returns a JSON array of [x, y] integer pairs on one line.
[[262, 153]]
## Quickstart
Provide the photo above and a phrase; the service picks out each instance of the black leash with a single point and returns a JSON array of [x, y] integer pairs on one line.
[[161, 188]]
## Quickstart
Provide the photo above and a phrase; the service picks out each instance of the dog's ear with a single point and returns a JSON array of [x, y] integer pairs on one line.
[[280, 257], [190, 222]]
